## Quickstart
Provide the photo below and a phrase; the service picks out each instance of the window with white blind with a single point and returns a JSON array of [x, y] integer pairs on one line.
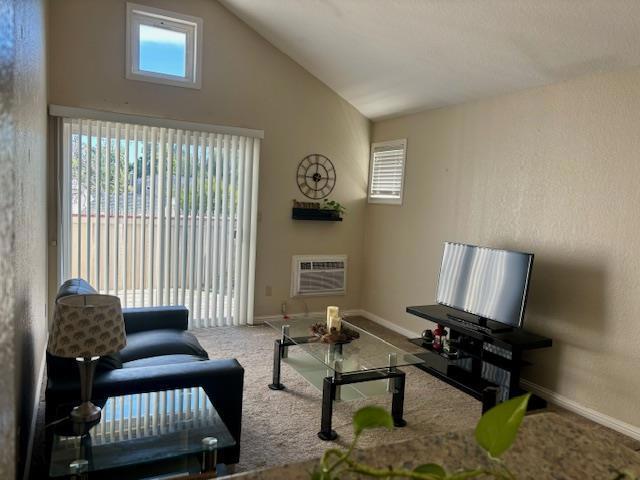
[[386, 171], [160, 213]]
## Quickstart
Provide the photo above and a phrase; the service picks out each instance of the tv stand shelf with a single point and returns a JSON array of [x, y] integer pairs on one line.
[[489, 363]]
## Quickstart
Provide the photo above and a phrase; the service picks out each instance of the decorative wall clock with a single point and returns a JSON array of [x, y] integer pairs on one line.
[[316, 176]]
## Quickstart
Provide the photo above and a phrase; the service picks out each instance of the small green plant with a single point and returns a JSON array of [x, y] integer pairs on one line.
[[495, 432], [333, 205]]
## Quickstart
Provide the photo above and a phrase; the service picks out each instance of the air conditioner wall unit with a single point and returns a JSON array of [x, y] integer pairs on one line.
[[318, 275]]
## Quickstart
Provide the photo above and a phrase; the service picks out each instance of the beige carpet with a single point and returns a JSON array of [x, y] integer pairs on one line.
[[281, 426]]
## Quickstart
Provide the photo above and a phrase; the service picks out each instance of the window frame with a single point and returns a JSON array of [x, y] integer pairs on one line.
[[154, 17], [382, 200]]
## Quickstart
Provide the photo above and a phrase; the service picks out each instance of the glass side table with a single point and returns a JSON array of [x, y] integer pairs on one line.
[[140, 430]]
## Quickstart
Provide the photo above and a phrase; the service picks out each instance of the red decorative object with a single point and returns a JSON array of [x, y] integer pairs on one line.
[[439, 335]]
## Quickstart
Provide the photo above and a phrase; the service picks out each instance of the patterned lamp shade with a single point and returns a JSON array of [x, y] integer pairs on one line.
[[87, 326]]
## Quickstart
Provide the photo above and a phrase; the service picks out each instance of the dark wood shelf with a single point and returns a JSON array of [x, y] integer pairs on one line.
[[318, 214], [484, 355], [462, 380], [514, 339], [487, 360]]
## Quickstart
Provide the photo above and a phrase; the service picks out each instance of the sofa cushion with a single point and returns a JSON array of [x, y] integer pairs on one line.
[[162, 360], [155, 343], [60, 367]]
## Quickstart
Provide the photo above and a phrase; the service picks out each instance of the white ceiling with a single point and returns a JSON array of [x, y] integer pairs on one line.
[[390, 57]]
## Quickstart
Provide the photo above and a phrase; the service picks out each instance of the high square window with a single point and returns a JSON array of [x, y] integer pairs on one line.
[[386, 171], [163, 47]]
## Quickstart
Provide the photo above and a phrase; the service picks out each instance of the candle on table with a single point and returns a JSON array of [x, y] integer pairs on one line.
[[333, 318]]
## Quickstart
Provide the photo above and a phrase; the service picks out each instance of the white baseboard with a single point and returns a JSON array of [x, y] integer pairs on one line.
[[549, 395], [34, 414], [264, 318], [390, 325], [573, 406]]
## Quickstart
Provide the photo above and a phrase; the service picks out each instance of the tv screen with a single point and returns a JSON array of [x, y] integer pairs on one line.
[[485, 281]]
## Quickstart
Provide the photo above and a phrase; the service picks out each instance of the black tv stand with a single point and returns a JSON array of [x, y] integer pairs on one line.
[[480, 324], [487, 362]]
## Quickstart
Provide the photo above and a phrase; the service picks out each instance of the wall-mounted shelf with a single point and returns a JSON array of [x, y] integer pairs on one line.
[[320, 214]]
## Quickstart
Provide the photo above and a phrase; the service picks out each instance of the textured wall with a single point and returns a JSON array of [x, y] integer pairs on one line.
[[7, 159], [22, 222], [30, 183], [554, 171], [23, 233], [246, 82]]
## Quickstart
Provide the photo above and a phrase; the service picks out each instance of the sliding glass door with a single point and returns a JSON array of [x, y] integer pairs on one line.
[[161, 216]]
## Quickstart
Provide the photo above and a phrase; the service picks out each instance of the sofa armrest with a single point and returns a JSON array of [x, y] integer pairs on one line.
[[154, 318]]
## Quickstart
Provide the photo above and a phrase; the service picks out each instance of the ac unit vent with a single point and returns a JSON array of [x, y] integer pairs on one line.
[[318, 275]]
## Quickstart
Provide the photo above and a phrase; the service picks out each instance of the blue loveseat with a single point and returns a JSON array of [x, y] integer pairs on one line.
[[160, 355]]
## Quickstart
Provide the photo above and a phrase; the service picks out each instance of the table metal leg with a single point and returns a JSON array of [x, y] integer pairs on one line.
[[210, 456], [328, 394], [79, 469], [489, 398], [397, 401], [285, 336], [278, 350]]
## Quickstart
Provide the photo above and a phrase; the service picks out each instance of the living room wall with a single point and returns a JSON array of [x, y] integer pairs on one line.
[[553, 171], [246, 82], [23, 225]]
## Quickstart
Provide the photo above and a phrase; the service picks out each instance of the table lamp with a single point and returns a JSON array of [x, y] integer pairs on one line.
[[86, 327]]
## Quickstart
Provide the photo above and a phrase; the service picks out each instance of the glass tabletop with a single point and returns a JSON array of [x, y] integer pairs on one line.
[[140, 428], [367, 352]]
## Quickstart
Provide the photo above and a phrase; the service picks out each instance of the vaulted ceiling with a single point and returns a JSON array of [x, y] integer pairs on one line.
[[391, 57]]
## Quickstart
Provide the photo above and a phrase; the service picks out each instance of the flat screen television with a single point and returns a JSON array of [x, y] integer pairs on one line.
[[488, 283]]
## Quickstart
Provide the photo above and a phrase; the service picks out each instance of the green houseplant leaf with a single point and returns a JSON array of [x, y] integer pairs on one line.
[[498, 427], [371, 417], [431, 469]]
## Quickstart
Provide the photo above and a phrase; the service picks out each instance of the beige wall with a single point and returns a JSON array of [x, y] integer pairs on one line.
[[246, 83], [554, 171], [23, 231]]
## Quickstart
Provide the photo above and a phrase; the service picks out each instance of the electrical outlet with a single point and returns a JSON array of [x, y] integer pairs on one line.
[[268, 291]]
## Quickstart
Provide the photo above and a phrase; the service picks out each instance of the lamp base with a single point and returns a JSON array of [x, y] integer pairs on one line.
[[86, 412]]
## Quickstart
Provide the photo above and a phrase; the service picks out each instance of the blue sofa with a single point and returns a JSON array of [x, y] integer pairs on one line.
[[160, 355]]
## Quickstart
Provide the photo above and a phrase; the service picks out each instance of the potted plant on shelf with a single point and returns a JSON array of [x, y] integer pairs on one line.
[[334, 206]]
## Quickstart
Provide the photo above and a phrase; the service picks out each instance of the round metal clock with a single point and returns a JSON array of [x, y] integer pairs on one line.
[[316, 176]]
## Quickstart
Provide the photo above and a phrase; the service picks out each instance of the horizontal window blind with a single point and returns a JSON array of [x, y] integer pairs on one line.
[[162, 216], [387, 171]]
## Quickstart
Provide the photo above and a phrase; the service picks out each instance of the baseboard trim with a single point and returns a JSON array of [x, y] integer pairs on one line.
[[573, 406], [263, 318], [549, 395], [390, 325], [34, 414]]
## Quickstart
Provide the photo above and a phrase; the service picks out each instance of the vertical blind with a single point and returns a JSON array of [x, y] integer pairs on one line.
[[387, 171], [148, 414], [162, 216]]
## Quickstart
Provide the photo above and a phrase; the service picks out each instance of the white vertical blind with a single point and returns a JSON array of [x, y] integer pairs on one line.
[[162, 216], [387, 171]]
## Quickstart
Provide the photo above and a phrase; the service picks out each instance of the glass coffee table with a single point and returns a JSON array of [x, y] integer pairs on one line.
[[141, 430], [341, 370]]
